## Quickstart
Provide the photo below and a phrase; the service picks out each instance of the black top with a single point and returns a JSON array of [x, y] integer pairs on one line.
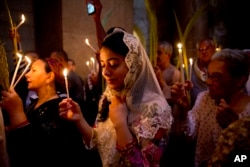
[[47, 141], [76, 87]]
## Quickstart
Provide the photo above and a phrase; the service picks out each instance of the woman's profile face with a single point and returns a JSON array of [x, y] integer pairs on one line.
[[114, 68], [219, 81], [37, 76]]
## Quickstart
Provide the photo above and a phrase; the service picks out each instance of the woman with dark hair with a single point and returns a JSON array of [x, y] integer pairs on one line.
[[38, 136], [134, 118]]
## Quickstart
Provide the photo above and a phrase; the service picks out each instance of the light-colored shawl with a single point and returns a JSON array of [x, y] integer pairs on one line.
[[148, 108]]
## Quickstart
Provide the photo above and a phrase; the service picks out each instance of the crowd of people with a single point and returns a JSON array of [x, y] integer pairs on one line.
[[144, 117]]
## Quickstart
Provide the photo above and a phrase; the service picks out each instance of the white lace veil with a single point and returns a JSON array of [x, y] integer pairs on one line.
[[144, 97]]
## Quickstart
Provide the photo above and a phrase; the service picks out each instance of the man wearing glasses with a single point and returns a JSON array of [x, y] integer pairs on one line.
[[205, 49]]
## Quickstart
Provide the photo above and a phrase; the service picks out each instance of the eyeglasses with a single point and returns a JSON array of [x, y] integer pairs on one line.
[[203, 49], [216, 77]]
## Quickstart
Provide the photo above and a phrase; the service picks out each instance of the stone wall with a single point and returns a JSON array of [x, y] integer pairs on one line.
[[77, 25], [61, 24], [26, 30]]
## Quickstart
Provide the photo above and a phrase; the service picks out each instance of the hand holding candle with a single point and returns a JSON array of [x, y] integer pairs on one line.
[[87, 42], [65, 73]]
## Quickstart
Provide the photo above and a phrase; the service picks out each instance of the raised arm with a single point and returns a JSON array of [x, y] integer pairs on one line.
[[100, 32]]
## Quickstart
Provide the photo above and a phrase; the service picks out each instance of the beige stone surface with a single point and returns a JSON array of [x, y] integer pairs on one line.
[[78, 25]]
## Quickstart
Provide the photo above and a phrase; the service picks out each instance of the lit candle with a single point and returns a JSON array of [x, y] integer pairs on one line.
[[190, 68], [65, 73], [179, 45], [93, 63], [17, 67], [87, 42], [24, 71], [21, 22]]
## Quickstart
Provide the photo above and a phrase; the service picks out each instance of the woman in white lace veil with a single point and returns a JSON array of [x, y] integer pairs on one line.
[[134, 118]]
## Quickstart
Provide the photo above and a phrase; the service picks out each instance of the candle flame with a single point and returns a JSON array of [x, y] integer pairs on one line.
[[218, 49], [92, 59], [65, 72], [21, 22], [191, 61], [87, 41], [179, 45], [23, 18]]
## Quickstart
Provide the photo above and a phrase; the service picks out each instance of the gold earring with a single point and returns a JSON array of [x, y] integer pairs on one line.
[[48, 89]]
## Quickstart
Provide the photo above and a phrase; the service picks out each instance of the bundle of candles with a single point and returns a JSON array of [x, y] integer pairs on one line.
[[92, 65], [20, 56]]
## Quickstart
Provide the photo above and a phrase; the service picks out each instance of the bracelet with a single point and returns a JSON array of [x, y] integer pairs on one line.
[[20, 125], [128, 146]]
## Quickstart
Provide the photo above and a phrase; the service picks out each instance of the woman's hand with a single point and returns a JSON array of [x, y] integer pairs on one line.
[[12, 103], [179, 93], [225, 115], [70, 110], [118, 112]]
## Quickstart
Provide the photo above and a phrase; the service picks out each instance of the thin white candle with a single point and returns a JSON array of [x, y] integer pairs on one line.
[[190, 67], [17, 67], [87, 42], [21, 22], [179, 45], [24, 71], [65, 73], [93, 63]]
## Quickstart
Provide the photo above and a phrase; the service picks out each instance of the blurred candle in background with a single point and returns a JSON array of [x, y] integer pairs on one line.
[[17, 67], [190, 68], [179, 45]]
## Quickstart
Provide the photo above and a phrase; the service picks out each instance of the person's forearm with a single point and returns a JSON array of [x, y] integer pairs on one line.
[[85, 130], [124, 136], [18, 120], [100, 32]]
